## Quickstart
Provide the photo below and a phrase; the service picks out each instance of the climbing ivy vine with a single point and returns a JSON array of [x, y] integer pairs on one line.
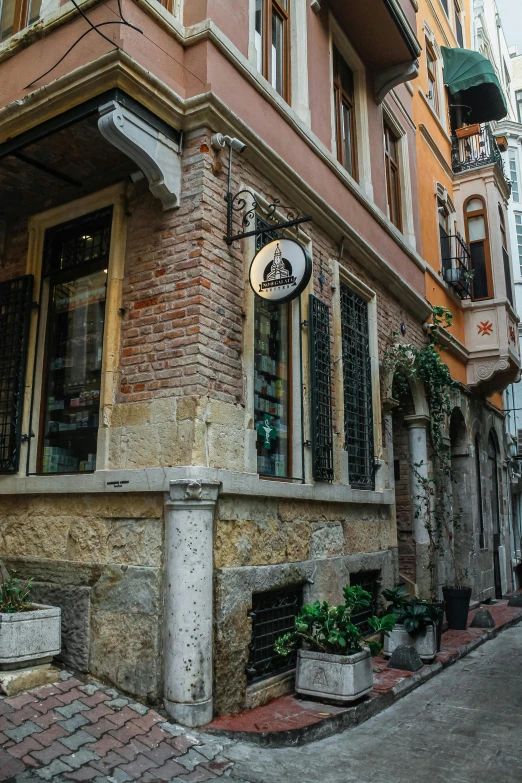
[[408, 363]]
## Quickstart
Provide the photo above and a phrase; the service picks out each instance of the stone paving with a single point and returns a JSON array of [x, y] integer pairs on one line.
[[84, 731]]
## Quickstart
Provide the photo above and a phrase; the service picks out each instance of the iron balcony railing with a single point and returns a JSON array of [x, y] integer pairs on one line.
[[456, 263], [473, 147]]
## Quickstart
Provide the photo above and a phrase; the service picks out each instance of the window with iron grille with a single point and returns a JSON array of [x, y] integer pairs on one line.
[[15, 312], [357, 383], [273, 614], [321, 390], [370, 581]]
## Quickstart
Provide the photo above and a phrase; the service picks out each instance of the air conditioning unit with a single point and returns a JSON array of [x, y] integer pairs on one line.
[[519, 443]]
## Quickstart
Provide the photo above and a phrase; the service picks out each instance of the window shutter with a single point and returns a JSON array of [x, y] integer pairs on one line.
[[321, 390], [15, 311]]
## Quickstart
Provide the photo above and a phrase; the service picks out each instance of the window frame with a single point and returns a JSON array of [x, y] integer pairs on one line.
[[112, 196], [341, 99], [512, 155], [486, 240], [20, 17], [269, 8], [518, 229], [389, 164], [432, 75], [299, 425], [49, 283], [459, 27]]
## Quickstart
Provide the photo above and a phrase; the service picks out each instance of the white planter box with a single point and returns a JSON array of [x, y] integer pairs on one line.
[[425, 642], [335, 677], [29, 638]]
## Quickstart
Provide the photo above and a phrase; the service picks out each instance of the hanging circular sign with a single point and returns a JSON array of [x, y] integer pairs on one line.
[[280, 270]]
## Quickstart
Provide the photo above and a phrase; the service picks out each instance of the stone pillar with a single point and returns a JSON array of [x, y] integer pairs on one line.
[[417, 440], [189, 522]]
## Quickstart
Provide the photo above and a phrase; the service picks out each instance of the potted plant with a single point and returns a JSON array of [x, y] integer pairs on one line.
[[30, 633], [416, 624], [336, 662]]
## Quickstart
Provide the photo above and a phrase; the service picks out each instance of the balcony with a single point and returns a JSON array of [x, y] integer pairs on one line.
[[474, 147], [456, 263]]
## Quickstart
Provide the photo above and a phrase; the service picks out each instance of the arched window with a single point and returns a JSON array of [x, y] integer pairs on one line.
[[478, 241], [478, 475], [505, 254]]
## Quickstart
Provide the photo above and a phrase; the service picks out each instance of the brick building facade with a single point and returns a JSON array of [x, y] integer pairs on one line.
[[137, 491]]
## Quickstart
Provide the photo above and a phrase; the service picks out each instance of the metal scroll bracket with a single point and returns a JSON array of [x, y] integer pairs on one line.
[[246, 206]]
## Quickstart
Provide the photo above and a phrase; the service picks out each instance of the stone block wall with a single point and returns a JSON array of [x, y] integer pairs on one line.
[[99, 558], [266, 544]]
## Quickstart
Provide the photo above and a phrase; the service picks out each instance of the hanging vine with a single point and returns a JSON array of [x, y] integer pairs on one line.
[[408, 363]]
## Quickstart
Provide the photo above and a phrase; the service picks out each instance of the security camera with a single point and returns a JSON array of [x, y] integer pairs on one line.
[[219, 141]]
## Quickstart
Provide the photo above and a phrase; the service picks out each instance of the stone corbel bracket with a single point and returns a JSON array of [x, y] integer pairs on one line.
[[155, 154], [391, 77]]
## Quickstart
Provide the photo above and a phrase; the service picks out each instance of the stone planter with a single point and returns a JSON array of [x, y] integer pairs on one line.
[[425, 642], [340, 678], [30, 638]]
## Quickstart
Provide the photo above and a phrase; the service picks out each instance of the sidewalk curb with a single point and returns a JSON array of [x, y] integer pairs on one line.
[[353, 716]]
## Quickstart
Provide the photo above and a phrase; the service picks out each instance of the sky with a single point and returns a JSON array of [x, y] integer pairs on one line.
[[511, 15]]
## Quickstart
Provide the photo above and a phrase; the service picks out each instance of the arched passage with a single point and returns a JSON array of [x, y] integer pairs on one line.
[[493, 470], [462, 471], [409, 425]]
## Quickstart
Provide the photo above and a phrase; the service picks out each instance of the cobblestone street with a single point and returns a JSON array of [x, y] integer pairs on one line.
[[463, 726], [72, 731]]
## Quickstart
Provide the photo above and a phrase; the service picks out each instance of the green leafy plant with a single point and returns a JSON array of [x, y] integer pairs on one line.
[[14, 592], [414, 613], [433, 503], [329, 629]]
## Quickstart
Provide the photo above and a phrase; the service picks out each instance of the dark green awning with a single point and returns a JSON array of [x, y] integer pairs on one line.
[[473, 77]]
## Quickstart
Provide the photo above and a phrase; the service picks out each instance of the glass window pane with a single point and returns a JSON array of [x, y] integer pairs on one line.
[[7, 12], [476, 228], [271, 388], [346, 136], [513, 173], [478, 264], [258, 37], [474, 204], [278, 53], [73, 374], [34, 11]]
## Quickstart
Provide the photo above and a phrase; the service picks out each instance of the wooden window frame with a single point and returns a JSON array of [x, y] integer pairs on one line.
[[389, 165], [342, 98], [458, 24], [20, 19], [431, 68], [487, 254], [271, 7]]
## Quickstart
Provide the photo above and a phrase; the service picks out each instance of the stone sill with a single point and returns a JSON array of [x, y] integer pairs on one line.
[[158, 480]]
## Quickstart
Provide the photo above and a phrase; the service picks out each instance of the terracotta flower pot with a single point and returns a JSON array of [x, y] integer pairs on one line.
[[469, 130]]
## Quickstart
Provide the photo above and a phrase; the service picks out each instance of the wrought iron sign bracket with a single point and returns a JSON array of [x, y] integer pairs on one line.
[[246, 205], [238, 203]]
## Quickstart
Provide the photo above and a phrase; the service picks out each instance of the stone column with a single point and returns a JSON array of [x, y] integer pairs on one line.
[[189, 522], [417, 440]]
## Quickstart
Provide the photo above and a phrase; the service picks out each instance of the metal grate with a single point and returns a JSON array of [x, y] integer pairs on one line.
[[370, 581], [273, 614], [357, 382], [321, 390], [80, 241], [15, 311]]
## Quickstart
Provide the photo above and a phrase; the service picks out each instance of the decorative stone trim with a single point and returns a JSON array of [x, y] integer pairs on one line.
[[156, 155]]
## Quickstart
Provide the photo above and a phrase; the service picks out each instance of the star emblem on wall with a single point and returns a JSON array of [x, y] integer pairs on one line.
[[485, 328]]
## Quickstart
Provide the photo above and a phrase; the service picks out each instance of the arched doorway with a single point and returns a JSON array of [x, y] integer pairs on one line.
[[495, 510]]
